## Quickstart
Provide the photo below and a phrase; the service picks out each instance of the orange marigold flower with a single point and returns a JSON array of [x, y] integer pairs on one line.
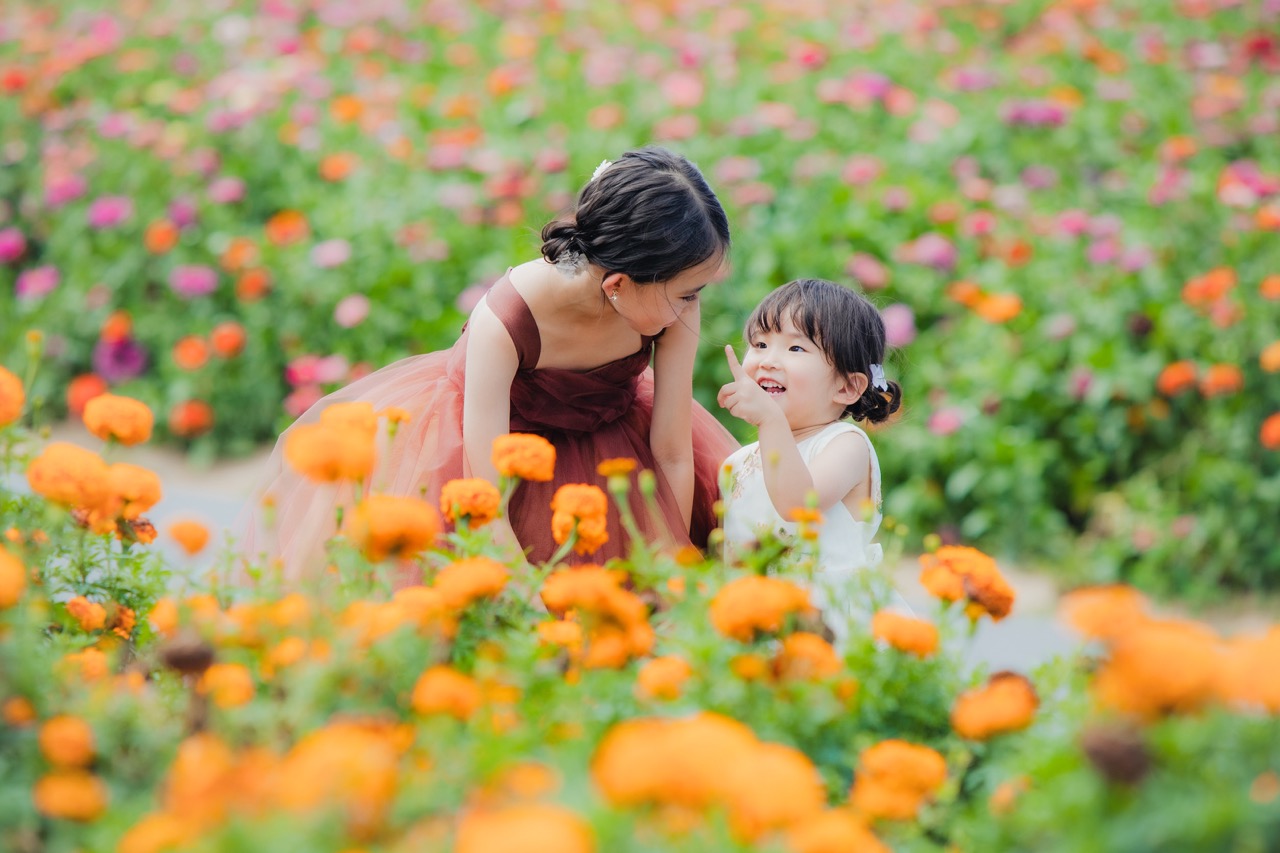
[[806, 657], [287, 227], [753, 604], [90, 665], [560, 632], [1267, 218], [1176, 378], [1269, 287], [81, 390], [444, 690], [464, 581], [13, 579], [833, 831], [528, 827], [70, 795], [135, 489], [191, 535], [593, 531], [1103, 612], [662, 678], [596, 590], [619, 467], [228, 339], [424, 608], [580, 501], [1002, 799], [1007, 703], [529, 457], [190, 353], [894, 778], [1204, 290], [386, 525], [111, 417], [157, 832], [70, 475], [117, 327], [121, 620], [240, 254], [350, 766], [90, 615], [330, 453], [336, 167], [998, 307], [67, 741], [1159, 668], [161, 236], [253, 285], [1269, 358], [230, 684], [1269, 433], [967, 293], [17, 711], [190, 419], [955, 572], [475, 499], [359, 416], [395, 415], [905, 633], [1221, 379], [12, 397], [771, 787], [164, 617], [1249, 678]]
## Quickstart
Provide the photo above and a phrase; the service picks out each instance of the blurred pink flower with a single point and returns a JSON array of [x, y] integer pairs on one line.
[[1073, 223], [1103, 252], [677, 127], [931, 249], [110, 211], [749, 195], [226, 190], [683, 89], [867, 271], [899, 325], [36, 282], [12, 245], [1039, 177], [63, 189], [351, 310], [1034, 113], [551, 160], [809, 55], [860, 169], [115, 125], [182, 212], [1059, 327], [332, 368], [302, 370], [733, 169], [1080, 382], [301, 399], [896, 199], [360, 370], [1106, 225], [1136, 258], [945, 421], [331, 253], [190, 281], [470, 296]]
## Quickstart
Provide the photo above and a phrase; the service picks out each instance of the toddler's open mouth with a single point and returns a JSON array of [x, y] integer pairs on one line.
[[772, 387]]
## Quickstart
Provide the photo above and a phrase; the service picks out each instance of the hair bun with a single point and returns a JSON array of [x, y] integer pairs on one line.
[[876, 406], [560, 239]]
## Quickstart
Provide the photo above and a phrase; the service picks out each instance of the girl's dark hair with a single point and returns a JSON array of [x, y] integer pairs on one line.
[[847, 328], [650, 214]]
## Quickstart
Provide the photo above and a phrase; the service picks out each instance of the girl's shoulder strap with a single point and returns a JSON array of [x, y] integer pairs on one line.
[[509, 307]]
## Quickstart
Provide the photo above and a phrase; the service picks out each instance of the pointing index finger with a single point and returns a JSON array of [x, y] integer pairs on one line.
[[734, 366]]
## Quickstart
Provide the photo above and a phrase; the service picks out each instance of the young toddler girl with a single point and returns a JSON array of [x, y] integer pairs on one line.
[[814, 359]]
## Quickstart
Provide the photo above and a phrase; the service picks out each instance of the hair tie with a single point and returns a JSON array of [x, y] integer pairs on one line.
[[604, 164], [877, 378]]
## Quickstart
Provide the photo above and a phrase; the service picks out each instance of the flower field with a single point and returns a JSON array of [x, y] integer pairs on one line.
[[668, 702], [1067, 210]]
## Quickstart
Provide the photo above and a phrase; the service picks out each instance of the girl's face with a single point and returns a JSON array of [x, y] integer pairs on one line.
[[650, 308], [795, 372]]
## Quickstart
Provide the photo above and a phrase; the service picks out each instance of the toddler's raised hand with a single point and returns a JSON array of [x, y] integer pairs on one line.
[[743, 397]]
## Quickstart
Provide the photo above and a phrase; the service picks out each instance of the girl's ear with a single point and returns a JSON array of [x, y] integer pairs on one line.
[[616, 284], [853, 387]]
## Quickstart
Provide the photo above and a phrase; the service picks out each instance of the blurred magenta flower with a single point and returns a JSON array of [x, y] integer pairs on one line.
[[63, 189], [12, 245], [351, 310], [1080, 382], [190, 281], [37, 282], [110, 211], [867, 271], [118, 361], [1034, 112], [1039, 177], [945, 421], [860, 169], [183, 213], [332, 368], [931, 249], [1073, 223], [896, 199], [226, 190], [302, 370], [331, 253], [115, 125], [301, 399], [1103, 252], [899, 324]]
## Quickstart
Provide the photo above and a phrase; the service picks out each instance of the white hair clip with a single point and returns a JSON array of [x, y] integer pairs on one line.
[[604, 164], [877, 378]]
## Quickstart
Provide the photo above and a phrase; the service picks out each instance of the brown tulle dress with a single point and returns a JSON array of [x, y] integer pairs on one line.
[[589, 416]]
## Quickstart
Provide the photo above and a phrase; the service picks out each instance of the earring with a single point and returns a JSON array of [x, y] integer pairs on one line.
[[613, 297]]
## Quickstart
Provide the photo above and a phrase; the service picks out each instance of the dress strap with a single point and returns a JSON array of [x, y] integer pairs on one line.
[[509, 306]]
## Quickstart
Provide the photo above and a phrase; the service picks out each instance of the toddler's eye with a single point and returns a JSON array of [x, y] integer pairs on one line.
[[796, 348], [758, 344]]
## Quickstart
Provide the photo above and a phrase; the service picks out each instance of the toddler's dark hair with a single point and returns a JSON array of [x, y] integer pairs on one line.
[[844, 324], [650, 214]]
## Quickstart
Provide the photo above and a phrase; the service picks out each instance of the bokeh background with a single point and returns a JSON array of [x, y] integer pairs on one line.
[[1068, 211]]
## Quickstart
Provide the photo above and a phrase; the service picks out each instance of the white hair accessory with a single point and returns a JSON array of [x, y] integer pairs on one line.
[[877, 378], [604, 164]]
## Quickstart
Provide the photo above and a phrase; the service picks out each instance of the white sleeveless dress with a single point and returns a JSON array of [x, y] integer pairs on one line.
[[844, 543]]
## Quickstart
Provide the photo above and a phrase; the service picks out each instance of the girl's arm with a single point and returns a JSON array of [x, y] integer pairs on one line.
[[671, 432], [491, 366]]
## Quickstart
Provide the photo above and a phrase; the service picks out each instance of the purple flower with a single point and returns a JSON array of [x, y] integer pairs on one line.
[[946, 421], [117, 361], [331, 253], [63, 189], [12, 245], [110, 211], [351, 311], [36, 282], [899, 325], [182, 212], [226, 190], [192, 281]]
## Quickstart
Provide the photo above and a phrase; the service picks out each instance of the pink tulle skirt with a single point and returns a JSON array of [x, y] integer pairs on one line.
[[427, 452]]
